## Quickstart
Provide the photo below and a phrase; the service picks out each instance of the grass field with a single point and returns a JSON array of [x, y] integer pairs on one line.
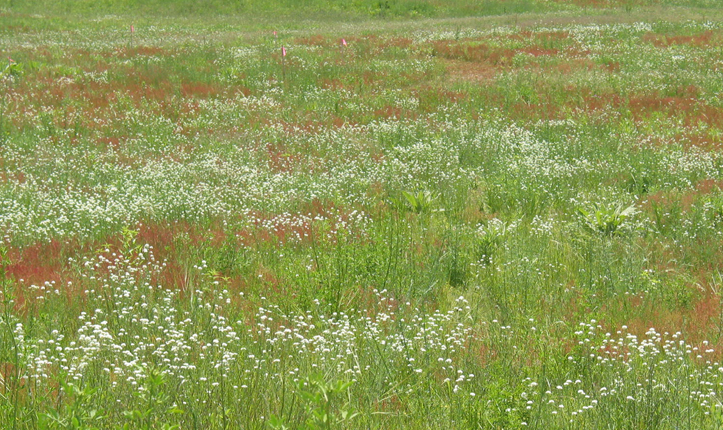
[[427, 214]]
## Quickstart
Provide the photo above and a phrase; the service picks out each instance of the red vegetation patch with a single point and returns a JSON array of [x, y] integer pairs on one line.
[[280, 160], [681, 103], [172, 240], [605, 4], [686, 106], [700, 138], [164, 235], [399, 42], [702, 322], [372, 79], [641, 106], [473, 72], [318, 207], [537, 51], [394, 112], [38, 263], [683, 201], [480, 61], [41, 268], [709, 186], [374, 44], [668, 201], [478, 52], [537, 111], [18, 177], [199, 89], [315, 40], [575, 65], [702, 40], [430, 98], [279, 234], [335, 84]]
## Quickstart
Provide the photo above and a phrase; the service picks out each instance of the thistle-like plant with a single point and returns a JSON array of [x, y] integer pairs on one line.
[[604, 220], [419, 203]]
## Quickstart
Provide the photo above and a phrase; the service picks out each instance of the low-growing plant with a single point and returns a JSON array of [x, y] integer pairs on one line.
[[608, 221], [13, 69], [75, 414], [324, 402], [153, 401], [421, 202]]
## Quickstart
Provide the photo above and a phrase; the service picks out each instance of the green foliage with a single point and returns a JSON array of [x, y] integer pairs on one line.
[[153, 400], [362, 8], [403, 212], [75, 414], [324, 404], [608, 221], [422, 202], [13, 70], [666, 218]]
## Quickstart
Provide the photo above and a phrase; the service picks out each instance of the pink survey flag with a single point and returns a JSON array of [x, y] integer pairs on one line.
[[275, 34], [343, 42], [133, 30], [283, 51]]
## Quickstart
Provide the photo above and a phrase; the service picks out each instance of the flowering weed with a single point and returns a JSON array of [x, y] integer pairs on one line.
[[480, 222]]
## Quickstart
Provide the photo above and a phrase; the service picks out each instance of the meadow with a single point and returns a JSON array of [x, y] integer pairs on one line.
[[426, 214]]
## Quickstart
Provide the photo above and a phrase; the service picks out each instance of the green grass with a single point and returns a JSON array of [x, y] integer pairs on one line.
[[356, 8], [499, 215]]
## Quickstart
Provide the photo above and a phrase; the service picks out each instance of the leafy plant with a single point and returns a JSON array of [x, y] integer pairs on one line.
[[606, 221], [419, 203], [13, 69], [320, 398], [153, 400], [75, 415]]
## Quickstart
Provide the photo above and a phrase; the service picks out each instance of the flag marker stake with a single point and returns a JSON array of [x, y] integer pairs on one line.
[[283, 64]]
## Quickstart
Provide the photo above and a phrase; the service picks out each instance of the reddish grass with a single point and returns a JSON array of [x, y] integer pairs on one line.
[[199, 90], [110, 142], [575, 65], [18, 177], [698, 138], [702, 40], [490, 59], [335, 84], [394, 112], [540, 36], [316, 40], [283, 159], [430, 98], [477, 53], [38, 263], [683, 104], [682, 200], [41, 263], [709, 186], [377, 44], [466, 71]]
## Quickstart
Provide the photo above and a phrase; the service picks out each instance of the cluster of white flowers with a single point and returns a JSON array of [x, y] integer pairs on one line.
[[624, 369]]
